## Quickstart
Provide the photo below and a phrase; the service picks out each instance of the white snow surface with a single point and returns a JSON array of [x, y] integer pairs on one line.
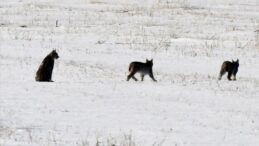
[[91, 103]]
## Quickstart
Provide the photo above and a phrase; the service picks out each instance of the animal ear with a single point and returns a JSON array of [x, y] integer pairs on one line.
[[237, 60], [146, 60], [151, 60]]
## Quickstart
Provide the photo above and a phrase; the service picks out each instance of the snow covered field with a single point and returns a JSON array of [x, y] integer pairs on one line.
[[91, 103]]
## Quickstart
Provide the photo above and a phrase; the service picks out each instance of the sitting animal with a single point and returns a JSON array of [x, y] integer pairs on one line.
[[142, 68], [230, 67], [44, 73]]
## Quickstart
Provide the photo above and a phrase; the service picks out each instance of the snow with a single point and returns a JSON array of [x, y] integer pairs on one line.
[[91, 103]]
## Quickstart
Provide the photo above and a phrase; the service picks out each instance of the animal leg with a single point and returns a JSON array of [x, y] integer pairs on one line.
[[229, 76], [142, 77], [234, 75], [128, 78], [234, 78], [131, 75], [152, 77]]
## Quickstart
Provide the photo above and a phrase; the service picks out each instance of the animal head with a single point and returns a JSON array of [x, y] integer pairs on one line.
[[54, 54], [149, 62], [235, 65]]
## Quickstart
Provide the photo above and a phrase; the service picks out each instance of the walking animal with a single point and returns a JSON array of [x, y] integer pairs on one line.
[[44, 73], [231, 68], [142, 68]]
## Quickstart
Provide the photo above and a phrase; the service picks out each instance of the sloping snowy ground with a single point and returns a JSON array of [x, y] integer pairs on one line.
[[91, 103]]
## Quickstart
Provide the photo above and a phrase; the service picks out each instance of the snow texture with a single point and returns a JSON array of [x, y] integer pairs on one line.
[[91, 103]]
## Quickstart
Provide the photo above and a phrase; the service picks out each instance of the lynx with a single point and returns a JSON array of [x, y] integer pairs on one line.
[[44, 73], [230, 67], [142, 68]]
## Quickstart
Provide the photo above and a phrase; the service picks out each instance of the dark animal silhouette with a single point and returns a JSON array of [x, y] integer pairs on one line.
[[142, 68], [230, 67], [44, 73]]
